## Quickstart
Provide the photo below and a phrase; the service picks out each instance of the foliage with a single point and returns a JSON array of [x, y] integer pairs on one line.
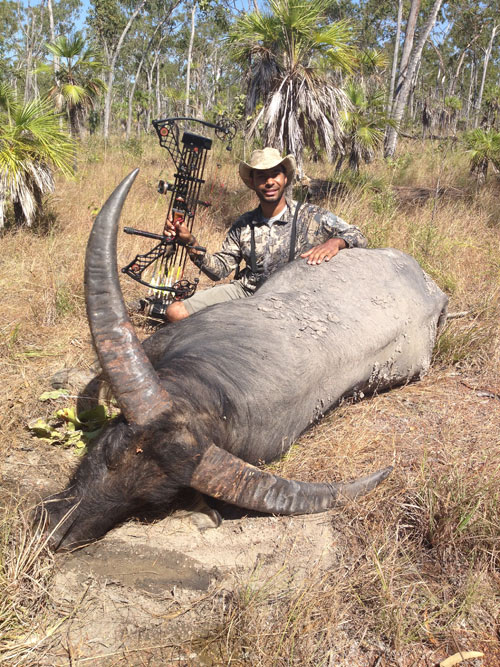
[[32, 145], [76, 88], [483, 147], [452, 102], [292, 58], [67, 428], [363, 123]]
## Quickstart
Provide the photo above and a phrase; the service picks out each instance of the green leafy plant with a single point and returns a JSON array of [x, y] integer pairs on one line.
[[32, 146], [483, 148], [363, 124], [77, 87], [68, 429], [293, 62]]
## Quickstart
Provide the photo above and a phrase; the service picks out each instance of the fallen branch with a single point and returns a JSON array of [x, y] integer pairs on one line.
[[483, 393]]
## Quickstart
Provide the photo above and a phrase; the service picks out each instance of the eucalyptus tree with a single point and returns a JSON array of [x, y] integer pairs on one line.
[[495, 28], [32, 146], [111, 20], [144, 50], [76, 88], [410, 62], [292, 57], [26, 27]]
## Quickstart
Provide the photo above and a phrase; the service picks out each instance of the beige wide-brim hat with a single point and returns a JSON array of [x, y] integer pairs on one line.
[[267, 158]]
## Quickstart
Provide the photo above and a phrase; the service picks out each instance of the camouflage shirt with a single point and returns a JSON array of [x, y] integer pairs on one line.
[[272, 242]]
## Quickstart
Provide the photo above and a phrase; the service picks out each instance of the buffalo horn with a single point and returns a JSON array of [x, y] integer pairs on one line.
[[222, 475], [133, 380]]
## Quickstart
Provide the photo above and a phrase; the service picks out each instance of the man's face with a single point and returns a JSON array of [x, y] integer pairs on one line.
[[269, 184]]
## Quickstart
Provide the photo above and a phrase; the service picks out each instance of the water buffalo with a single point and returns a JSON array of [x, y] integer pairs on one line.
[[206, 400]]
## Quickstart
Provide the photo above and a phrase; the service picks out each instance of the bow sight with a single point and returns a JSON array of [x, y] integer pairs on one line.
[[168, 258]]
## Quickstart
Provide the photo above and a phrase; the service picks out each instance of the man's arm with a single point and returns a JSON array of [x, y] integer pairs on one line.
[[217, 265], [342, 235]]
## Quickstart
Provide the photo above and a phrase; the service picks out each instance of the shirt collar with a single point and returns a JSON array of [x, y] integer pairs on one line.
[[258, 218]]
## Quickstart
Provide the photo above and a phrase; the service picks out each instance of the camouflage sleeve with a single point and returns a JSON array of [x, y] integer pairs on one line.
[[335, 227], [220, 264]]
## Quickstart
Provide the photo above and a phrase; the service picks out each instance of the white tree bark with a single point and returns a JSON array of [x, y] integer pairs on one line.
[[158, 96], [454, 77], [471, 89], [403, 89], [189, 56], [52, 32], [487, 55], [395, 57], [111, 75], [408, 43]]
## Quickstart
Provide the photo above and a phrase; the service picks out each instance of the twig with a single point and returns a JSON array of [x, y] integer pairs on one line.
[[458, 314], [483, 393], [125, 651]]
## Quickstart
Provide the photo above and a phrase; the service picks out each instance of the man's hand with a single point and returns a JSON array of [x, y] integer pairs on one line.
[[179, 231], [325, 251]]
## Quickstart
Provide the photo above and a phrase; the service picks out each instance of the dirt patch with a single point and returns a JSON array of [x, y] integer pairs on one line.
[[143, 582], [413, 196]]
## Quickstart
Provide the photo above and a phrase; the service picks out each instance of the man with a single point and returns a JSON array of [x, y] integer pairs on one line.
[[262, 237]]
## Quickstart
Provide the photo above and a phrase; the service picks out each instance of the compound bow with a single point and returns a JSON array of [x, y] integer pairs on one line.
[[168, 258]]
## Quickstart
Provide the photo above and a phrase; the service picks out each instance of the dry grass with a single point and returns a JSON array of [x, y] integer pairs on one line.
[[26, 568], [419, 575]]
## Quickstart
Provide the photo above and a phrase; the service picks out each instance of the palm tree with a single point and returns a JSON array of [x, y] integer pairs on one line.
[[292, 60], [363, 124], [77, 87], [483, 147], [31, 147]]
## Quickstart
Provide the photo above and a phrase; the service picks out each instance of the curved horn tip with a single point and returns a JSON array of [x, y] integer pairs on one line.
[[111, 209], [360, 487], [128, 180]]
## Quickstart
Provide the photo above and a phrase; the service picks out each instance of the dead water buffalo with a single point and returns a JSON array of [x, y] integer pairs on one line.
[[205, 400]]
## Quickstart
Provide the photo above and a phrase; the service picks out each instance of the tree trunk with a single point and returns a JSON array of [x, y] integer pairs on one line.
[[411, 102], [395, 58], [189, 56], [53, 35], [139, 68], [471, 90], [149, 74], [403, 90], [408, 43], [112, 66], [487, 55], [158, 96], [454, 77], [131, 97]]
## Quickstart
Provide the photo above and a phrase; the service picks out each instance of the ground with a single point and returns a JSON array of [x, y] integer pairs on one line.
[[151, 593]]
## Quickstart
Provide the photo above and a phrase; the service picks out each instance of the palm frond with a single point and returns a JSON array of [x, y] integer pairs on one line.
[[285, 51], [32, 145]]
